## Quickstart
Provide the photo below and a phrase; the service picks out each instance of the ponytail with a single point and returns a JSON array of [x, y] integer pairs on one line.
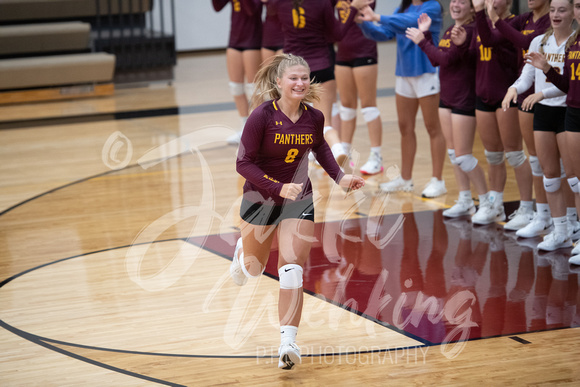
[[266, 80], [549, 32]]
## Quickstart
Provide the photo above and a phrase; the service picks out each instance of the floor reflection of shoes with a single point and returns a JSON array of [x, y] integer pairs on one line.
[[487, 233], [559, 263], [462, 224]]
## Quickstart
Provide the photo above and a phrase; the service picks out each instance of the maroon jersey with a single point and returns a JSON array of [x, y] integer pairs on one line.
[[521, 30], [497, 61], [309, 29], [246, 22], [272, 35], [274, 151], [569, 82], [456, 68], [354, 45]]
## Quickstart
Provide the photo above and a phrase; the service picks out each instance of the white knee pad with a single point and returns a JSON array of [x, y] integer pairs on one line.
[[236, 88], [552, 184], [451, 154], [249, 88], [245, 270], [573, 183], [467, 162], [347, 114], [290, 276], [370, 113], [494, 158], [326, 129], [536, 167], [335, 109], [516, 158]]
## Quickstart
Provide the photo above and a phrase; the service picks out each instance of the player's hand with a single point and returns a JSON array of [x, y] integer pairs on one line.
[[351, 182], [424, 22], [360, 4], [478, 5], [510, 96], [491, 13], [538, 61], [458, 35], [531, 100], [291, 190], [414, 34]]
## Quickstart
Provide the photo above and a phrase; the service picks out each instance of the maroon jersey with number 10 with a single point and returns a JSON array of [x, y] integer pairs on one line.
[[274, 151]]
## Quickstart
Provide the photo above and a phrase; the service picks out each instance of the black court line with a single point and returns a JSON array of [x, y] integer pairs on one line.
[[133, 114]]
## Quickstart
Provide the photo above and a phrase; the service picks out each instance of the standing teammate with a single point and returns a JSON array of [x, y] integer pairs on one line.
[[356, 77], [310, 27], [273, 157], [417, 85], [496, 71], [568, 82], [549, 127], [272, 35], [243, 55], [520, 31], [457, 106]]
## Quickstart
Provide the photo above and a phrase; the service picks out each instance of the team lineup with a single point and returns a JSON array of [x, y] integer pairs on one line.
[[510, 79]]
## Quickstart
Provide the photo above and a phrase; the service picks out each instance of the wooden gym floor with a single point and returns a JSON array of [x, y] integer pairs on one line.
[[118, 217]]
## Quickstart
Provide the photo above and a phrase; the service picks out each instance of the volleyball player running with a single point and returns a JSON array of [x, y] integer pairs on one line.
[[243, 55], [273, 157], [356, 77], [568, 82], [457, 105], [417, 85]]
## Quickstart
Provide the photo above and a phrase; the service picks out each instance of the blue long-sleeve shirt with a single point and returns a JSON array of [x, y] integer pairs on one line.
[[411, 60]]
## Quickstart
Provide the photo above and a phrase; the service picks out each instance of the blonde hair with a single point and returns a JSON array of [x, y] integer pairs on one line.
[[550, 31], [267, 86]]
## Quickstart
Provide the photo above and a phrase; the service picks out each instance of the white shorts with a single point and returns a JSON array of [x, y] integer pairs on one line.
[[419, 86]]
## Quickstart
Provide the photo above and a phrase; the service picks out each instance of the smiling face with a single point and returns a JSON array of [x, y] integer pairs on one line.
[[561, 14], [294, 83], [461, 10]]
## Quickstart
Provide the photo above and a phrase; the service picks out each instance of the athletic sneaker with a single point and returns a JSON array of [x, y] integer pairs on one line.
[[574, 230], [434, 188], [235, 268], [289, 356], [339, 155], [397, 184], [554, 241], [519, 219], [574, 260], [538, 226], [235, 138], [373, 165], [576, 249], [488, 212], [460, 208]]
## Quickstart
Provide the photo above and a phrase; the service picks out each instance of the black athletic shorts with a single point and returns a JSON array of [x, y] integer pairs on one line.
[[321, 76], [572, 119], [485, 107], [549, 118], [261, 214], [470, 113], [358, 62]]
